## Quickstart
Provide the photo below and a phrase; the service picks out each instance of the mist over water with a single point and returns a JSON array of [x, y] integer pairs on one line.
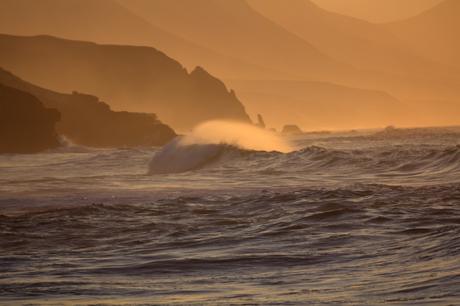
[[241, 135], [354, 218], [210, 141]]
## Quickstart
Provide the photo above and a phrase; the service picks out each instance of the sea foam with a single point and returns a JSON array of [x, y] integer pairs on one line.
[[208, 141]]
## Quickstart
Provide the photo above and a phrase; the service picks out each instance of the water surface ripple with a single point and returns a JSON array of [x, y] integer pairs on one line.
[[355, 219]]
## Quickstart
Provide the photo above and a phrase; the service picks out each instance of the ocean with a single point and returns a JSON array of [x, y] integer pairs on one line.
[[356, 218]]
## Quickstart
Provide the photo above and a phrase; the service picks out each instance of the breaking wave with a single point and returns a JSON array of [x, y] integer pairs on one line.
[[395, 161], [209, 141], [330, 216], [237, 134]]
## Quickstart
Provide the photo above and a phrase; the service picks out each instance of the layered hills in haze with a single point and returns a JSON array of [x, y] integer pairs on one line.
[[365, 45], [108, 22], [130, 78], [291, 55], [348, 51], [235, 28]]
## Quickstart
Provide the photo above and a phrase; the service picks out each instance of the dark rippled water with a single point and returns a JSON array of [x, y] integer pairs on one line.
[[347, 219]]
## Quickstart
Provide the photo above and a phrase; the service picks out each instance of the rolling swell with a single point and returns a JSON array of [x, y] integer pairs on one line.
[[403, 236], [358, 220], [395, 159], [384, 162]]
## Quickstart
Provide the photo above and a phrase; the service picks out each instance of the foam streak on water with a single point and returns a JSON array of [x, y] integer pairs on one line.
[[350, 219]]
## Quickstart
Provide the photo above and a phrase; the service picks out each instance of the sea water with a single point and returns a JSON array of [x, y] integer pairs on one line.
[[352, 218]]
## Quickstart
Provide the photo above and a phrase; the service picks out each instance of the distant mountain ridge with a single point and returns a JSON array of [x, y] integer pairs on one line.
[[303, 42], [129, 78], [235, 29], [365, 45]]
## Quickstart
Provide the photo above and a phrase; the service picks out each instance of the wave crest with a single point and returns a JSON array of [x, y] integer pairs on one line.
[[209, 141]]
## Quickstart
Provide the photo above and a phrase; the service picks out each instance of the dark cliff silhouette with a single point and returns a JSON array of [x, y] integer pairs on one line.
[[129, 78], [87, 121], [26, 126]]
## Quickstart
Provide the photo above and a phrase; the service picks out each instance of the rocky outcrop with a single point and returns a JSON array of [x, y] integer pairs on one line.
[[87, 121], [26, 126], [140, 79], [260, 121], [291, 129], [215, 101]]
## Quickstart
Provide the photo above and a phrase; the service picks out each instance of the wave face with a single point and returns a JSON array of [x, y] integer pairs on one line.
[[209, 141], [176, 157], [357, 219], [389, 163]]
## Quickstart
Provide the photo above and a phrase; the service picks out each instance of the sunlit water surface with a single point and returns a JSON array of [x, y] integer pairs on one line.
[[345, 219]]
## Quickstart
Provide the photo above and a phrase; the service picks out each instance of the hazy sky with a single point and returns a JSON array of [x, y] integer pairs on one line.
[[378, 10]]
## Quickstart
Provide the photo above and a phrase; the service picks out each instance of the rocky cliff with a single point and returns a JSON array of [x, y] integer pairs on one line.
[[26, 126], [87, 121]]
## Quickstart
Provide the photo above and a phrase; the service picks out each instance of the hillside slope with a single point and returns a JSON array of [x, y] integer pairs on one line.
[[365, 45], [235, 29]]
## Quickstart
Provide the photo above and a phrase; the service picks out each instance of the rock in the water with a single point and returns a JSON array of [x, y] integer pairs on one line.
[[291, 129], [260, 121]]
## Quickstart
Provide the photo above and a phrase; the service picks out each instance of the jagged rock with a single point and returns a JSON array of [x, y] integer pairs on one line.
[[260, 121], [291, 129], [26, 126]]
